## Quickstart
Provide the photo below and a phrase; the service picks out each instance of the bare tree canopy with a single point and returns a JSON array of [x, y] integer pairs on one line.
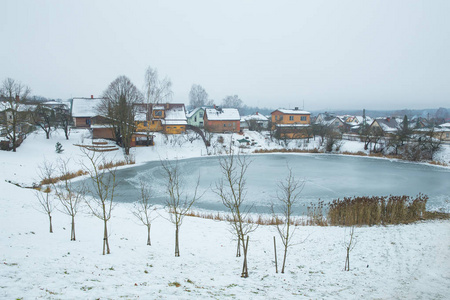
[[102, 190], [232, 191], [143, 209], [198, 97], [233, 102], [14, 94], [288, 195], [178, 203], [118, 107], [156, 90]]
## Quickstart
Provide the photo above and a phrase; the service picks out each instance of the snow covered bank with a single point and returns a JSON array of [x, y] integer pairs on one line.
[[393, 262]]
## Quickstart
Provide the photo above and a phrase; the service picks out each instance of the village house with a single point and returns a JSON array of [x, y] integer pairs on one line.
[[256, 122], [222, 120], [83, 110], [169, 118], [388, 126], [291, 123], [196, 117]]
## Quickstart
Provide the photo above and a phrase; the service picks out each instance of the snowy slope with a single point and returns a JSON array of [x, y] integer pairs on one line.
[[393, 262]]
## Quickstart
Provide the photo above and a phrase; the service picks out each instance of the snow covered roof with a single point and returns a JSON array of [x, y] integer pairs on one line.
[[223, 114], [293, 111], [85, 107], [293, 125], [4, 105], [175, 113], [447, 125], [193, 112], [388, 124], [159, 107], [256, 117]]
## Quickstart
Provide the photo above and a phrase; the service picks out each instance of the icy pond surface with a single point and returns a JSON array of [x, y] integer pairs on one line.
[[327, 177]]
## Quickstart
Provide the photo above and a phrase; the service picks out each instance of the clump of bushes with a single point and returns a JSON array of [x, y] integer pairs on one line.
[[66, 176], [377, 210]]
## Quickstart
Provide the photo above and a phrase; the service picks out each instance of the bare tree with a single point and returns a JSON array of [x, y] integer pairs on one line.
[[288, 195], [178, 204], [349, 244], [15, 115], [64, 118], [46, 203], [156, 90], [232, 191], [102, 190], [45, 118], [118, 106], [233, 102], [198, 97], [143, 209], [68, 195]]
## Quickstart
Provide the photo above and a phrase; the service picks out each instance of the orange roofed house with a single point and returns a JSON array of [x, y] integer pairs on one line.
[[222, 120], [291, 123]]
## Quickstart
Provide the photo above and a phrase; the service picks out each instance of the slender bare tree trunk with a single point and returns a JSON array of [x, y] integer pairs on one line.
[[177, 247], [238, 250], [285, 248], [275, 250], [244, 266], [347, 260], [148, 236], [50, 219], [105, 239], [72, 234]]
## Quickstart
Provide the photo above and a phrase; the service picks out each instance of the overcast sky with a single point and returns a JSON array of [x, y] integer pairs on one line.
[[325, 54]]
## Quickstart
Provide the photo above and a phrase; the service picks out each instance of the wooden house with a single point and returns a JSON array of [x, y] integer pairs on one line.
[[169, 118], [291, 123], [222, 120], [83, 110]]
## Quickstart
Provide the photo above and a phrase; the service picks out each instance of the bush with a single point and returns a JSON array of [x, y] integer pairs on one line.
[[377, 210]]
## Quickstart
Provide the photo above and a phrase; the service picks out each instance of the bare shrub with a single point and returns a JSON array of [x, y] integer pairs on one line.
[[376, 210]]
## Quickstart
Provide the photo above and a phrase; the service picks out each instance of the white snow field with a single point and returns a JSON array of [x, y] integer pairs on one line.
[[388, 262]]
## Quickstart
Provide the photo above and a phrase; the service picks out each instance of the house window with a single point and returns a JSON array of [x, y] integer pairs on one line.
[[224, 125], [145, 124], [158, 113], [303, 118], [229, 125], [201, 123], [447, 135], [88, 121], [195, 119], [201, 115], [281, 118], [291, 118]]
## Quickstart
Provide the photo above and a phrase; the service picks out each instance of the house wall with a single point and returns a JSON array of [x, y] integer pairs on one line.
[[280, 118], [82, 122], [103, 133], [222, 126], [174, 129], [197, 119], [153, 126], [293, 133]]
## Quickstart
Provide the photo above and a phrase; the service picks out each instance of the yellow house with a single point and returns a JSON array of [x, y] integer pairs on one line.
[[291, 116], [291, 123], [169, 118]]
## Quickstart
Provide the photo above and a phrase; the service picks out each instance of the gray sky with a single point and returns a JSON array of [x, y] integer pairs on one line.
[[330, 54]]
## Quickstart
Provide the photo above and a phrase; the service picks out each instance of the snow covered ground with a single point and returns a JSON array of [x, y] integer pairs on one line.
[[392, 262]]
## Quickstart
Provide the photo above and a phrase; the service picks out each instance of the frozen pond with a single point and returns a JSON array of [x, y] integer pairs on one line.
[[327, 177]]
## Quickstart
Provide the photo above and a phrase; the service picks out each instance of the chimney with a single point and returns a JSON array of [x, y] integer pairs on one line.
[[257, 113], [17, 98], [92, 96], [388, 119]]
